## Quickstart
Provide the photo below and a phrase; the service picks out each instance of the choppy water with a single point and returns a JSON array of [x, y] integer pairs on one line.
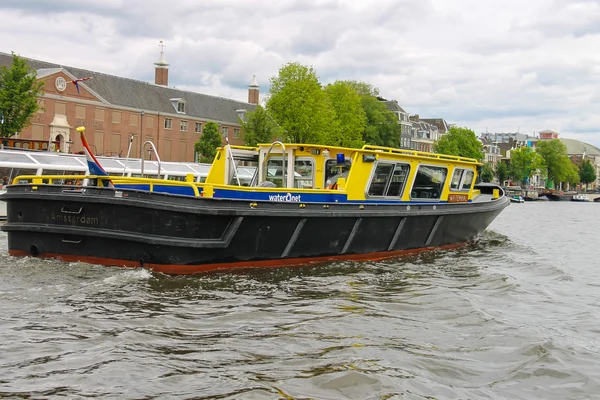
[[514, 316]]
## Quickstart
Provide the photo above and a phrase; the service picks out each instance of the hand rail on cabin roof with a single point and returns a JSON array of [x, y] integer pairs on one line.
[[419, 153]]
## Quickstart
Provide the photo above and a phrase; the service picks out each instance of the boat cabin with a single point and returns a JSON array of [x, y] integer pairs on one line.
[[372, 173]]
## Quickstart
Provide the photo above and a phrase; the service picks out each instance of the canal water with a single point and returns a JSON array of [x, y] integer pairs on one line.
[[514, 316]]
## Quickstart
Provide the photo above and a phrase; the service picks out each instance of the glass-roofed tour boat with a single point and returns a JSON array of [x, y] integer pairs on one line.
[[15, 162], [272, 205]]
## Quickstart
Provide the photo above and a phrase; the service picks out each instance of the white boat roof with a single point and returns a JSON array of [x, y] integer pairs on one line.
[[77, 162]]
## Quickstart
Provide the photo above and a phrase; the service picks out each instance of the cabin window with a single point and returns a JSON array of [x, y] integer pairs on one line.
[[399, 177], [303, 173], [388, 180], [334, 171], [456, 176], [462, 179], [380, 179], [467, 180], [429, 182], [274, 171]]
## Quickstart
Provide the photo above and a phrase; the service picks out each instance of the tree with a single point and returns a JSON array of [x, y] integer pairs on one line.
[[501, 172], [587, 174], [382, 127], [19, 94], [348, 109], [299, 104], [487, 172], [259, 127], [557, 163], [460, 142], [524, 162], [207, 143]]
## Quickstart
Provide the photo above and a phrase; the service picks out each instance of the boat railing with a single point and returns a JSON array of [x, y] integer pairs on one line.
[[266, 160], [415, 153], [155, 153]]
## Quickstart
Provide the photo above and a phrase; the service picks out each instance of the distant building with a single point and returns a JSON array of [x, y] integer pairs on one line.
[[424, 134], [403, 120], [507, 141], [115, 109], [548, 134], [440, 123]]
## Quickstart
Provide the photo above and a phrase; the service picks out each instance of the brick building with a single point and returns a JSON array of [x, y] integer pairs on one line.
[[115, 109]]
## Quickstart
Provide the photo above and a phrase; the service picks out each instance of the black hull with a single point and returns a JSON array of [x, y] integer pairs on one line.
[[559, 197], [181, 235]]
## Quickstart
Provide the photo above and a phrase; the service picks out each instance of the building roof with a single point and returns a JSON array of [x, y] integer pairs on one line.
[[579, 147], [393, 105], [440, 123], [144, 96]]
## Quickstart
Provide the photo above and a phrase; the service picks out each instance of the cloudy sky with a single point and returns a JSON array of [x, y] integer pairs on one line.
[[500, 66]]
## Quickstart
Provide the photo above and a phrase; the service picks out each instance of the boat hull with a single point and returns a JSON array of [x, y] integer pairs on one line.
[[183, 235]]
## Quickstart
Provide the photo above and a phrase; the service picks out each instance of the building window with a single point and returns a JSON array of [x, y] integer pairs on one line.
[[183, 126], [236, 133], [168, 123], [181, 107], [133, 119], [225, 130], [198, 127]]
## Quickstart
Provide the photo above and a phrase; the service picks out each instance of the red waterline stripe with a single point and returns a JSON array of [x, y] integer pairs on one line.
[[175, 269]]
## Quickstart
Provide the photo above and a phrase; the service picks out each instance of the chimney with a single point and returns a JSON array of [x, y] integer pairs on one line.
[[161, 68], [253, 91]]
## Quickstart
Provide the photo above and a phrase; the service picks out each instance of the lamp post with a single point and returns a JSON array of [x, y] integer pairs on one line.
[[141, 133]]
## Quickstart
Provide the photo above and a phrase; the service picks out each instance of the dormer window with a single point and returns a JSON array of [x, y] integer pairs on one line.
[[179, 105]]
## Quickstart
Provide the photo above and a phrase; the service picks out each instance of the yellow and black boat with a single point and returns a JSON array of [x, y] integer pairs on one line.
[[271, 205]]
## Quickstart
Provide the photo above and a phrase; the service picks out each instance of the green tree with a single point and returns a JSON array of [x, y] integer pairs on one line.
[[587, 174], [382, 127], [524, 163], [501, 172], [19, 96], [207, 143], [348, 109], [259, 127], [460, 142], [299, 104], [487, 172], [573, 175], [554, 154]]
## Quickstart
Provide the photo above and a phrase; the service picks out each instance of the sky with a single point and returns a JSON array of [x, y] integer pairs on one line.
[[496, 66]]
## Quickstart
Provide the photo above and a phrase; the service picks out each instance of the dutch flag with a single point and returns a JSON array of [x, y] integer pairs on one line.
[[93, 165]]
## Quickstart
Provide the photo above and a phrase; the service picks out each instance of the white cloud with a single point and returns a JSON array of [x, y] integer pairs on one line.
[[504, 66]]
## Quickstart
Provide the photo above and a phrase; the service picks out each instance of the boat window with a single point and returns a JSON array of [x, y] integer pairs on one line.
[[380, 179], [396, 186], [455, 182], [334, 171], [303, 173], [467, 180], [21, 171], [274, 171], [429, 182]]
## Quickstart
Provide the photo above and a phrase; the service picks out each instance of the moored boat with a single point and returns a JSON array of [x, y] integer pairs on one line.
[[15, 162], [303, 203], [515, 198], [582, 197]]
